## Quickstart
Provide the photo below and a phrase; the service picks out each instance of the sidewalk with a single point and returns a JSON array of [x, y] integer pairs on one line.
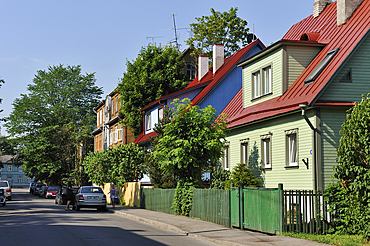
[[206, 231]]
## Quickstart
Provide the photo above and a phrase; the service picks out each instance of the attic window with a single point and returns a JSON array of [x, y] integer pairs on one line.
[[304, 37], [315, 73], [347, 77]]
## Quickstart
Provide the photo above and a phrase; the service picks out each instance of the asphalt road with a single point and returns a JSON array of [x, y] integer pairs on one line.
[[30, 220]]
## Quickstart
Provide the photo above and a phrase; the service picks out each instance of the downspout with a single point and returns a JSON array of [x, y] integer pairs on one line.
[[303, 107]]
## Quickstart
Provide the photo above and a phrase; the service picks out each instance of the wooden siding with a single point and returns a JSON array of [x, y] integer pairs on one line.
[[359, 63], [293, 178], [331, 122], [298, 58], [275, 60]]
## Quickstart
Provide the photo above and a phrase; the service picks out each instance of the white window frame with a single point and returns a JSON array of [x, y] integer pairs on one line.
[[10, 168], [160, 114], [115, 134], [226, 157], [266, 80], [148, 122], [262, 81], [19, 179], [256, 77], [266, 149], [291, 146], [244, 151], [119, 137], [110, 138]]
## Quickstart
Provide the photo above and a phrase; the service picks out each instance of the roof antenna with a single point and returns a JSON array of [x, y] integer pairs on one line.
[[154, 37], [174, 28]]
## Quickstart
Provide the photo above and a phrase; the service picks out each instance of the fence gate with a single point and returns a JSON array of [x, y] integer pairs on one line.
[[257, 208]]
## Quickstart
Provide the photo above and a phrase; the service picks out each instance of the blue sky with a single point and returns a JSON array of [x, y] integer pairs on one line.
[[102, 35]]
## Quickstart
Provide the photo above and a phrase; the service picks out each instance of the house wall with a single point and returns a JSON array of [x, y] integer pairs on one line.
[[331, 122], [298, 58], [293, 177], [154, 119], [359, 63], [275, 60], [16, 177], [189, 94]]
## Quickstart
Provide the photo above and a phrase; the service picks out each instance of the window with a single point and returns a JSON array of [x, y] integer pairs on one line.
[[19, 179], [148, 121], [9, 178], [115, 134], [244, 153], [97, 119], [347, 77], [160, 114], [291, 143], [113, 104], [262, 82], [190, 71], [257, 84], [266, 151], [9, 167], [20, 169], [101, 116], [317, 71], [226, 157], [119, 135], [116, 104]]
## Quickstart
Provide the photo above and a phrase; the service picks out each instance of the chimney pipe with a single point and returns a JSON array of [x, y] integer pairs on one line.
[[203, 66], [218, 56], [345, 9], [319, 6]]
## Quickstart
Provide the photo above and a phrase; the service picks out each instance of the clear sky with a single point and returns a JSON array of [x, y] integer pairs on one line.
[[101, 35]]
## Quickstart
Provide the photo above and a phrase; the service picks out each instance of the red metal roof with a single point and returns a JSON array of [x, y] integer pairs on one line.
[[344, 37], [209, 80], [144, 137]]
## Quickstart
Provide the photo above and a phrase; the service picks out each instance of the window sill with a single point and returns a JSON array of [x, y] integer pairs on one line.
[[291, 167], [259, 97]]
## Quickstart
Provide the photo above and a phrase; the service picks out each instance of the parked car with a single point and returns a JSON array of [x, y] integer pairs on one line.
[[38, 188], [52, 191], [43, 190], [61, 197], [8, 190], [90, 197], [2, 197]]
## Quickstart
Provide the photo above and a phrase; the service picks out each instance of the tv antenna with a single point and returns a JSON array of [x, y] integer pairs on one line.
[[153, 38], [175, 40]]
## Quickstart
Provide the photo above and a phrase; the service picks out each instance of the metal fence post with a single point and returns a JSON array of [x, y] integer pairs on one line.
[[281, 204], [241, 207]]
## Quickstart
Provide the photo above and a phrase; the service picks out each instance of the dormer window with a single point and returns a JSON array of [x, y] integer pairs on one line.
[[261, 82], [148, 121], [315, 73]]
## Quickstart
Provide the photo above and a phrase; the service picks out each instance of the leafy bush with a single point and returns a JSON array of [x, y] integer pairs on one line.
[[219, 179], [183, 199], [242, 174]]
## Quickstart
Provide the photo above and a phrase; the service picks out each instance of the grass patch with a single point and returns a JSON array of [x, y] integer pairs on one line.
[[340, 240]]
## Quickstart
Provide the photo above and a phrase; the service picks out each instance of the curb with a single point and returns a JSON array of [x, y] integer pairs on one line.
[[173, 228]]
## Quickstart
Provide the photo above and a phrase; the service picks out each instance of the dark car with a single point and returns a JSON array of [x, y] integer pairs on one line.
[[52, 191], [61, 197], [38, 188], [43, 190]]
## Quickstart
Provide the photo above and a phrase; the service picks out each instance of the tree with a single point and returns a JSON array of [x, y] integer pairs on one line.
[[193, 141], [219, 28], [242, 174], [53, 121], [157, 71], [158, 177], [1, 100], [115, 165], [350, 197]]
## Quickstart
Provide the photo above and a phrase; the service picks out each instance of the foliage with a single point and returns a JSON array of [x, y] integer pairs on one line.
[[53, 122], [242, 174], [157, 71], [192, 142], [118, 165], [351, 199], [219, 178], [1, 100], [219, 28], [183, 199], [158, 177], [341, 240]]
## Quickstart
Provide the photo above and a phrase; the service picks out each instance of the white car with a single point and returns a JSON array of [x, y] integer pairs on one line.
[[90, 197], [8, 190]]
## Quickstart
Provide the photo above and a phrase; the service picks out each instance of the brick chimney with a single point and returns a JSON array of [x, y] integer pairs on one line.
[[319, 6], [218, 56], [203, 66], [345, 9]]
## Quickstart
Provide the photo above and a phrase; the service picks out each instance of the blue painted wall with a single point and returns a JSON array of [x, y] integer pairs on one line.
[[226, 89]]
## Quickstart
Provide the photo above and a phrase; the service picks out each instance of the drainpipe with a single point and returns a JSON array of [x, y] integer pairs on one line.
[[303, 107]]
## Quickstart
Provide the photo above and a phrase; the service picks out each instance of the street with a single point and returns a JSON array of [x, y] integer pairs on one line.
[[30, 220]]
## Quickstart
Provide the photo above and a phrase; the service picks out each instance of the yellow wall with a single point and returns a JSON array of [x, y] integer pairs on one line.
[[130, 193]]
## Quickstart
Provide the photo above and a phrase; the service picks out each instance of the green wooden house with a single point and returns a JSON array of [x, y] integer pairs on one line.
[[285, 120]]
